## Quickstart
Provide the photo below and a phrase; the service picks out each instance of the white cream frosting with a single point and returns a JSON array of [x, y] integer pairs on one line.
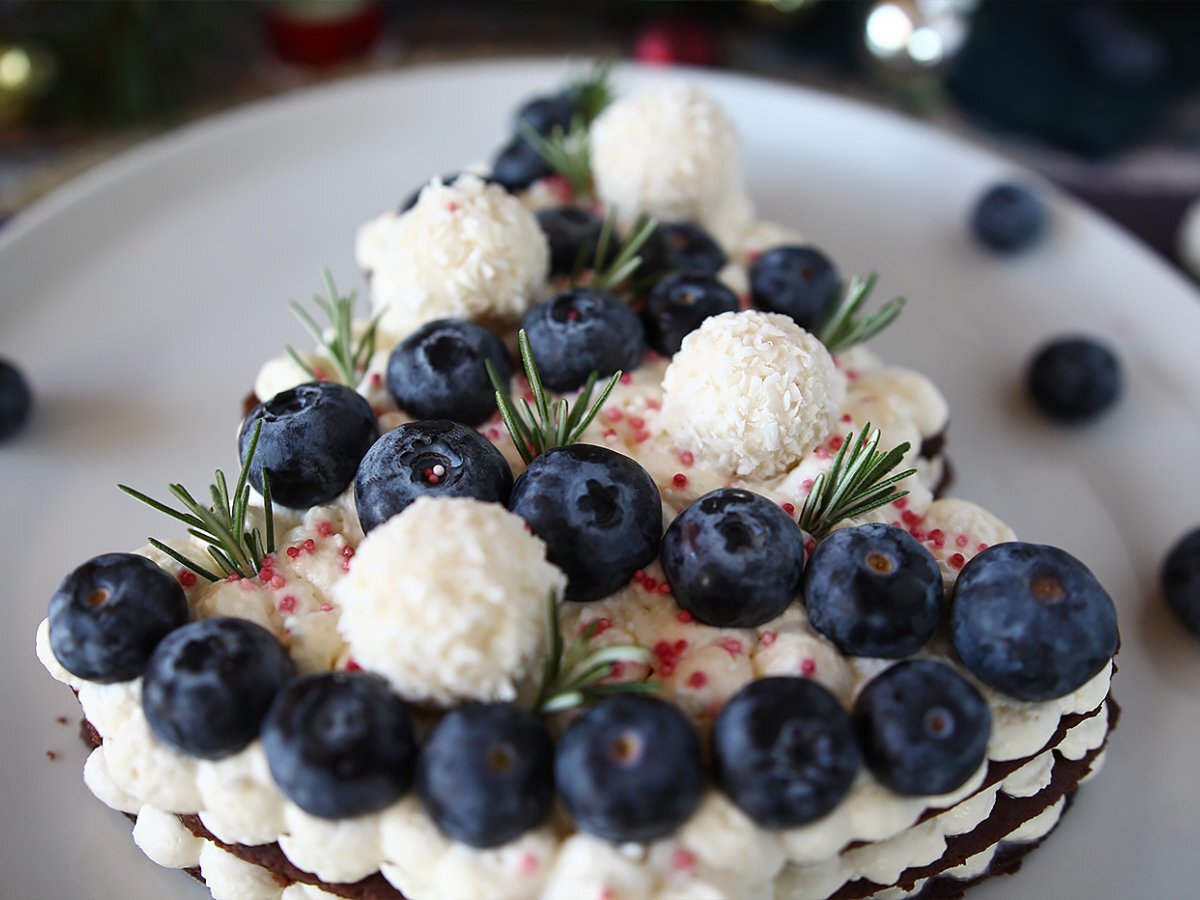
[[163, 838], [468, 249], [753, 392]]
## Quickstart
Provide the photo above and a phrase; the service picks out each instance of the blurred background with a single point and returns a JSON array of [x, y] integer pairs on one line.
[[1100, 96]]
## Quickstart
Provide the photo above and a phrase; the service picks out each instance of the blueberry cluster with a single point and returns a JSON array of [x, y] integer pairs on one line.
[[518, 164]]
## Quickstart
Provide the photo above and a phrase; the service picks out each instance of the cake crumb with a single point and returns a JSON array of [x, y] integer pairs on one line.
[[53, 755], [62, 720]]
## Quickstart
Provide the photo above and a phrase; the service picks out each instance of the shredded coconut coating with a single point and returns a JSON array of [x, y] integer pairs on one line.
[[753, 392], [469, 249], [671, 151], [448, 601]]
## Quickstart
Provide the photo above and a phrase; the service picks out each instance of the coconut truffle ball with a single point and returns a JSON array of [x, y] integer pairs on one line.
[[468, 250], [671, 151], [447, 601], [752, 392]]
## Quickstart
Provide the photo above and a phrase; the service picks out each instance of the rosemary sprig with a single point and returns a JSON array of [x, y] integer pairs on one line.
[[544, 425], [857, 483], [236, 549], [572, 679], [350, 357], [625, 261], [569, 153], [592, 93], [843, 327]]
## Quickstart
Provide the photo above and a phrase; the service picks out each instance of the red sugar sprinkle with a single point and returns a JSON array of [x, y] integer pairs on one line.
[[662, 649], [641, 435], [606, 893], [732, 646], [431, 477], [680, 645], [918, 534], [639, 576], [821, 453], [287, 603], [808, 667], [788, 508], [649, 583], [277, 581], [810, 545], [376, 379], [654, 402], [186, 578], [768, 638], [347, 551], [938, 537], [835, 442], [687, 457], [908, 517], [682, 860], [664, 589], [680, 480], [616, 670], [293, 552], [324, 529], [613, 415], [320, 374], [352, 666], [962, 540], [852, 374], [958, 560], [234, 577], [981, 547], [697, 680], [310, 545], [806, 484], [753, 255], [900, 502], [528, 863], [626, 378], [744, 301], [684, 616], [326, 607], [610, 432], [846, 417], [637, 422]]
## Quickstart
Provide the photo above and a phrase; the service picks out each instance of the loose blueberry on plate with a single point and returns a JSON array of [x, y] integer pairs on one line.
[[109, 614], [680, 247], [598, 511], [1009, 218], [313, 438], [581, 331], [209, 684], [733, 559], [1074, 379], [573, 234], [1031, 621], [518, 165], [438, 459], [438, 371], [797, 281], [340, 744], [923, 728], [16, 400], [1181, 580], [679, 303], [784, 751], [630, 769], [873, 590], [486, 775]]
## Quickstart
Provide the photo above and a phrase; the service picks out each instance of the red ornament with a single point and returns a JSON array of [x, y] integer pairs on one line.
[[676, 40]]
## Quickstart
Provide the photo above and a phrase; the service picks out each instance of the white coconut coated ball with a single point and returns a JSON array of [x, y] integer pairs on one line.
[[671, 151], [468, 249], [752, 392], [447, 600]]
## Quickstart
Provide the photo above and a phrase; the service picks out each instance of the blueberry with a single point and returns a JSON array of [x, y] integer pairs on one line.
[[679, 303], [546, 113], [598, 511], [734, 559], [109, 614], [411, 200], [517, 165], [630, 769], [797, 281], [784, 751], [581, 331], [208, 685], [1031, 621], [1074, 379], [437, 372], [313, 437], [16, 400], [486, 774], [573, 234], [680, 247], [340, 744], [1009, 218], [403, 465], [1181, 580], [923, 728], [873, 590]]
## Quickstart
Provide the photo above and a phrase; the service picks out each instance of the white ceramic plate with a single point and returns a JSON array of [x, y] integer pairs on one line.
[[142, 297]]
